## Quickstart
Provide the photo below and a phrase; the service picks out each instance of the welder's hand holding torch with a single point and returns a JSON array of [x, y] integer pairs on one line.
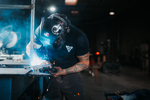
[[59, 72], [48, 66]]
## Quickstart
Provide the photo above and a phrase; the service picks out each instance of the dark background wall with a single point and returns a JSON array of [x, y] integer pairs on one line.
[[130, 28], [91, 31], [134, 30]]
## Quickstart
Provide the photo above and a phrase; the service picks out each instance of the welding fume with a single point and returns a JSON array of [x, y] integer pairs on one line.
[[14, 30], [8, 39]]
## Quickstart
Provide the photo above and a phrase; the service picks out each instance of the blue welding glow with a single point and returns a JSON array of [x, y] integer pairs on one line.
[[45, 41], [32, 69], [15, 20], [7, 29], [18, 21], [5, 32], [36, 61]]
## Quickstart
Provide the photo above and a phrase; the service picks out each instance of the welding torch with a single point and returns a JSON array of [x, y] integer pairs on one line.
[[46, 67]]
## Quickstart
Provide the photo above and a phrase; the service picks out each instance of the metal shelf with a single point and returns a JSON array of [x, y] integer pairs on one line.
[[15, 6]]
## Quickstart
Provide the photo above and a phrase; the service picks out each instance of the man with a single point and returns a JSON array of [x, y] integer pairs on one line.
[[67, 48]]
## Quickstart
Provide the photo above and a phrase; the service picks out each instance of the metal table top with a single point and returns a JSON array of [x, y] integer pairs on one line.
[[21, 71], [15, 62], [13, 71]]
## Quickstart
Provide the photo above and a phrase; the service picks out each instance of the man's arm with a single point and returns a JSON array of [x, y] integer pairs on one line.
[[82, 65]]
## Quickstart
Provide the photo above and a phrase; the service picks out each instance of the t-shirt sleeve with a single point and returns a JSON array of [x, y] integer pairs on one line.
[[82, 45]]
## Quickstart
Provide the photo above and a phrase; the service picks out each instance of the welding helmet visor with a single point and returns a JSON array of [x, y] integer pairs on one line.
[[51, 32]]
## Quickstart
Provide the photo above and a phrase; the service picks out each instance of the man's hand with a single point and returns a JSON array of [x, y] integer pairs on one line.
[[60, 71]]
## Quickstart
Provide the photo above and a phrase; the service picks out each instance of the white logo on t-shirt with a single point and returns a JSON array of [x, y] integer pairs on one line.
[[69, 48]]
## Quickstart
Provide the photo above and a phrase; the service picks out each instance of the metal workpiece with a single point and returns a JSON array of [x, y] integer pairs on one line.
[[27, 70], [35, 70], [24, 71], [37, 66], [36, 74]]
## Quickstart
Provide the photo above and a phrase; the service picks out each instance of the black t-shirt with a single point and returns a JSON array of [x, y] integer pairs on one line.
[[76, 45]]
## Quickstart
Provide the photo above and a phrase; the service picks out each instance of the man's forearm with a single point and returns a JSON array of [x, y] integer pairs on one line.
[[76, 68], [82, 65]]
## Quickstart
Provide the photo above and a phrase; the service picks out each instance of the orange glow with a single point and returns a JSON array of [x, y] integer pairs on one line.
[[47, 89], [97, 53], [117, 60], [71, 2], [78, 93], [38, 97], [74, 12]]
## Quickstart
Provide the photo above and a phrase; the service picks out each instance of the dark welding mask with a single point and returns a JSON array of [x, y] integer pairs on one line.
[[52, 31]]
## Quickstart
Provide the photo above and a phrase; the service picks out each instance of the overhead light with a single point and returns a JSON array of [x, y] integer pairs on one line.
[[111, 13], [52, 9], [71, 2]]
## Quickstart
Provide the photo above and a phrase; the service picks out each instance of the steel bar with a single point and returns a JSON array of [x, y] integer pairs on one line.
[[32, 28], [37, 66], [15, 6]]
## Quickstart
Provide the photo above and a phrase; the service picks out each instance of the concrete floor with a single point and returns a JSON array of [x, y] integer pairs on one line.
[[129, 79]]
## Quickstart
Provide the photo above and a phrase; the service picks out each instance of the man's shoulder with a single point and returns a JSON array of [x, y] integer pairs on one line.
[[75, 30], [76, 34]]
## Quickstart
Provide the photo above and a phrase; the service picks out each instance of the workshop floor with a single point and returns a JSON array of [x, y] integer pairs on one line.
[[129, 80]]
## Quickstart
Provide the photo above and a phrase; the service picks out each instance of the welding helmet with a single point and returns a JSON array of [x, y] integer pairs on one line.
[[52, 31]]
